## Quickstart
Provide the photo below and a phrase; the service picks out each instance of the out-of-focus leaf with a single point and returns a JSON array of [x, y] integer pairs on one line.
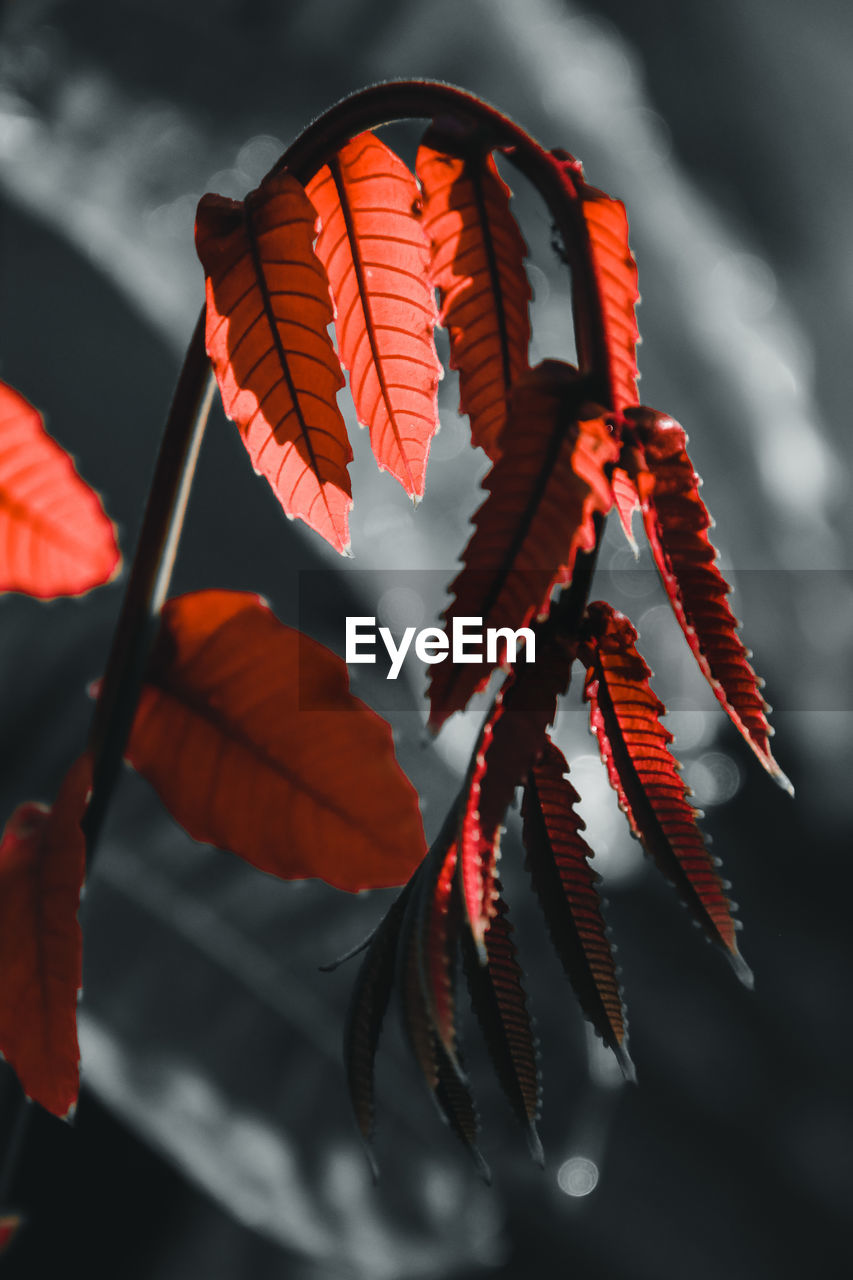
[[55, 538], [250, 735], [478, 268], [376, 257], [268, 311], [42, 865]]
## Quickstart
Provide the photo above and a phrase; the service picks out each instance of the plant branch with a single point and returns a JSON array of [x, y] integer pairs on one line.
[[149, 579]]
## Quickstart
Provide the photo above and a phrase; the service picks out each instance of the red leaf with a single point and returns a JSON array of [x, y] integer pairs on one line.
[[677, 524], [377, 259], [250, 735], [268, 310], [625, 716], [615, 272], [56, 539], [42, 866], [543, 493], [498, 999], [10, 1224], [478, 267], [511, 739], [558, 861]]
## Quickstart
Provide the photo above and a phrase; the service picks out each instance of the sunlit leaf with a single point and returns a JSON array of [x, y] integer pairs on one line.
[[478, 268], [615, 274], [376, 256], [268, 311], [55, 539], [250, 735]]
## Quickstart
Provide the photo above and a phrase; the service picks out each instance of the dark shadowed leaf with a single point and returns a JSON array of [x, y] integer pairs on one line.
[[558, 861], [55, 539], [511, 739], [268, 310], [250, 735], [368, 1004], [377, 256], [499, 1001], [478, 268], [42, 865]]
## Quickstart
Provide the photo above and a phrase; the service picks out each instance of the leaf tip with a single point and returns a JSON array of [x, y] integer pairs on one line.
[[742, 969], [534, 1145]]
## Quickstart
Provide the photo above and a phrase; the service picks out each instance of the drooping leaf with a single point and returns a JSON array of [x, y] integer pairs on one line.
[[565, 883], [677, 524], [511, 738], [477, 266], [377, 256], [499, 1001], [543, 492], [442, 927], [456, 1106], [55, 538], [615, 274], [250, 735], [368, 1004], [268, 310], [42, 866], [625, 717]]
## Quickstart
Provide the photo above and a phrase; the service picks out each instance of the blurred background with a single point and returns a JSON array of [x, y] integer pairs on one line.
[[213, 1136]]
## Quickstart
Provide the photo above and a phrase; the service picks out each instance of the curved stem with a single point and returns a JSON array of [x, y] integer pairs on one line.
[[555, 175], [149, 579]]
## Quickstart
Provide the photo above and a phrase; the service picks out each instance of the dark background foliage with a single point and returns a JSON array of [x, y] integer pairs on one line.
[[213, 1136]]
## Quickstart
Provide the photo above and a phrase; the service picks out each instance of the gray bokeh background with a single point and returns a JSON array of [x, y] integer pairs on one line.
[[210, 1041]]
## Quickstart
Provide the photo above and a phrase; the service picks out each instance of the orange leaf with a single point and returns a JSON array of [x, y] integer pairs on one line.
[[250, 735], [268, 310], [377, 258], [543, 492], [677, 523], [615, 273], [625, 716], [55, 538], [42, 865], [484, 294]]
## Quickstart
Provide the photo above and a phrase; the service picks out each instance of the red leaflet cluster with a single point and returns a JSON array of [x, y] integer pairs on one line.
[[559, 464], [248, 730]]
